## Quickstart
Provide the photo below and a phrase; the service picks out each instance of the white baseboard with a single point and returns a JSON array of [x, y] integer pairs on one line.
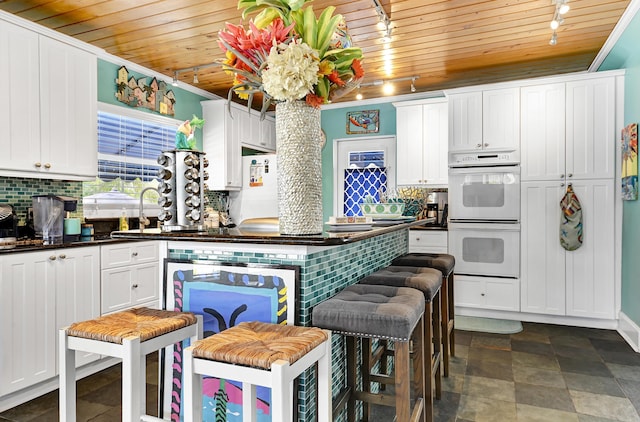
[[607, 324], [630, 331], [19, 397]]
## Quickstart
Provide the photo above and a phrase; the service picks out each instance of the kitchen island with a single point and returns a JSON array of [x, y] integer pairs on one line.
[[325, 263]]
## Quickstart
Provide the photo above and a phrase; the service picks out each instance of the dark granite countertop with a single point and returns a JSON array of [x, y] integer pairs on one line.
[[433, 228], [81, 243], [234, 235]]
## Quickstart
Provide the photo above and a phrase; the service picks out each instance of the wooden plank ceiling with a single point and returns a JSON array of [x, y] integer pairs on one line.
[[447, 43]]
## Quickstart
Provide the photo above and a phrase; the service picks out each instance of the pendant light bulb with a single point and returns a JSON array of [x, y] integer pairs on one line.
[[554, 39], [195, 76], [413, 85], [564, 9], [554, 24], [175, 79]]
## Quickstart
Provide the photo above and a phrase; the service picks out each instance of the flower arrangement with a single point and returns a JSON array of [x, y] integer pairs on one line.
[[288, 54]]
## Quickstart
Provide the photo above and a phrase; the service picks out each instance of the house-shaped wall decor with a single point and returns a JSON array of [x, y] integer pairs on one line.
[[154, 95]]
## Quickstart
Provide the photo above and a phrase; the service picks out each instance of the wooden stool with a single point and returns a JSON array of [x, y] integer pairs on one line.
[[445, 263], [129, 335], [258, 353], [428, 281], [382, 312]]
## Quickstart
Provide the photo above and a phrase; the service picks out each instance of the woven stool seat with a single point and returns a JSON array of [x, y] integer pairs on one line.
[[129, 335], [259, 344], [145, 323], [427, 280], [260, 354]]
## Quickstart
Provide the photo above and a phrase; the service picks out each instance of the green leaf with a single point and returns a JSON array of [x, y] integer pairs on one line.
[[310, 34], [326, 27], [322, 88], [296, 4]]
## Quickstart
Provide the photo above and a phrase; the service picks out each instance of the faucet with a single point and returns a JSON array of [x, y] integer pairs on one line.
[[144, 221]]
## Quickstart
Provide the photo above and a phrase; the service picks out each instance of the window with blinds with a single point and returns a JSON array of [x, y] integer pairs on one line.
[[128, 147], [129, 143]]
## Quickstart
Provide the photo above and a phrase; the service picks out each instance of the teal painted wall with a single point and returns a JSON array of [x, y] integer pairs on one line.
[[626, 55], [187, 103], [334, 124]]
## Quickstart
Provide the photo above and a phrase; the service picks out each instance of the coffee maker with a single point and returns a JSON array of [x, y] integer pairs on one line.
[[8, 226], [437, 207], [49, 212]]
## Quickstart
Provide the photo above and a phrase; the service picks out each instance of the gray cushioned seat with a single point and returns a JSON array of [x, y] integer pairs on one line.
[[372, 311], [440, 261], [427, 280]]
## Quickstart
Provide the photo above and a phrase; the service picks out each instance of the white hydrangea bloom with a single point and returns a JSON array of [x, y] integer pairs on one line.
[[291, 72]]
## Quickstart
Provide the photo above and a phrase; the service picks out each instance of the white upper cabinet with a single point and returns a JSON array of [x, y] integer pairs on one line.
[[591, 133], [568, 130], [221, 143], [484, 120], [422, 140], [543, 132], [49, 118]]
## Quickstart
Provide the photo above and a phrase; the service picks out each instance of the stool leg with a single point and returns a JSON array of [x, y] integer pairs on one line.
[[365, 372], [436, 343], [352, 362], [423, 338], [131, 377], [452, 308], [192, 389], [402, 381], [280, 392], [444, 307], [67, 369], [324, 383], [249, 411]]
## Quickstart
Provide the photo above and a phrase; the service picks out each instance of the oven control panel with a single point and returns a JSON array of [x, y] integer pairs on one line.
[[487, 158]]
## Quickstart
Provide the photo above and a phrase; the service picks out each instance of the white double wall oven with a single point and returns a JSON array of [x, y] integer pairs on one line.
[[484, 215]]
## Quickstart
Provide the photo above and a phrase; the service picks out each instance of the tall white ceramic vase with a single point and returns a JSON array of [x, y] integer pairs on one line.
[[299, 168]]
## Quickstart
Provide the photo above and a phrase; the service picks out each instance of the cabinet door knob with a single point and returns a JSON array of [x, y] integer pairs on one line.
[[486, 145], [561, 184], [47, 166], [134, 286], [481, 294], [570, 174], [52, 258], [562, 176], [38, 165], [62, 256], [478, 145], [134, 254]]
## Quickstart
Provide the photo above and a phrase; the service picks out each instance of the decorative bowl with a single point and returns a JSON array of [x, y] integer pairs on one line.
[[385, 210]]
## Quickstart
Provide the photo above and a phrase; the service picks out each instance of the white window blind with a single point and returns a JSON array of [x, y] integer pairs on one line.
[[128, 147]]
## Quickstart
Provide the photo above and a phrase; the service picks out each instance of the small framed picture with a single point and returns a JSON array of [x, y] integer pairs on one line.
[[367, 121]]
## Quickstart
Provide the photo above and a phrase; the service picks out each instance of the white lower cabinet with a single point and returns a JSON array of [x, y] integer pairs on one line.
[[578, 283], [428, 241], [130, 276], [487, 292], [41, 292]]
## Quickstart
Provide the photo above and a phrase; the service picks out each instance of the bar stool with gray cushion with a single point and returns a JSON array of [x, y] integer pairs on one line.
[[378, 312], [445, 263], [428, 281]]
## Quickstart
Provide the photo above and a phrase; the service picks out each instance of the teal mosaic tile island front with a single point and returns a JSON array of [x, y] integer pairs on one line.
[[324, 271]]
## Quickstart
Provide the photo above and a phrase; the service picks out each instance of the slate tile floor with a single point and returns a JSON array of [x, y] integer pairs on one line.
[[545, 373]]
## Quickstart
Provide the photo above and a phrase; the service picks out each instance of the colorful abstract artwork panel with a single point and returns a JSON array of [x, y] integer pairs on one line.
[[225, 294], [367, 121], [630, 162]]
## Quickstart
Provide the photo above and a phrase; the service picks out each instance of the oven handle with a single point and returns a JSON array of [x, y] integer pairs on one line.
[[485, 169], [486, 226]]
